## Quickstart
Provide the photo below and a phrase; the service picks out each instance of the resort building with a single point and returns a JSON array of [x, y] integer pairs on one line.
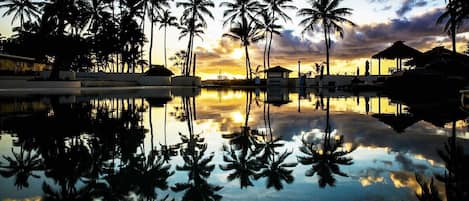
[[12, 64], [277, 76]]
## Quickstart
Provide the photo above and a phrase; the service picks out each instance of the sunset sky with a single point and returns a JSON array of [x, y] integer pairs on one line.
[[380, 22]]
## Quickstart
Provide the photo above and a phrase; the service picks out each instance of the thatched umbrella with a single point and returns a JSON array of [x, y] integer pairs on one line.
[[397, 51]]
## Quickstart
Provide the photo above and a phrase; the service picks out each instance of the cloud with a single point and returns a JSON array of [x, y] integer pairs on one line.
[[408, 5], [420, 31]]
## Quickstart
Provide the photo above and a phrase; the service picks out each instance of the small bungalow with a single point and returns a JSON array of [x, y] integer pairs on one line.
[[12, 64], [278, 76]]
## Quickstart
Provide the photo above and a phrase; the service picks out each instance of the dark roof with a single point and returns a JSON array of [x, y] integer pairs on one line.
[[397, 122], [398, 50], [438, 53], [158, 102], [158, 71], [278, 69], [14, 57]]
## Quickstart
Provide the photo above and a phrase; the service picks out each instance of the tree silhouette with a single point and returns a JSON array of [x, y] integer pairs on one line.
[[166, 20], [246, 33], [22, 166], [276, 9], [329, 16], [193, 21], [327, 156], [22, 9]]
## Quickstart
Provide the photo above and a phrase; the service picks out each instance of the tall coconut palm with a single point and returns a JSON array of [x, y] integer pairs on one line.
[[22, 9], [166, 20], [329, 16], [452, 25], [269, 27], [276, 9], [245, 10], [246, 33], [457, 11], [192, 30], [193, 18], [154, 9]]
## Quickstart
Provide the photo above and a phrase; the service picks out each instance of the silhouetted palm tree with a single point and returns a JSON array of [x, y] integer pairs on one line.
[[276, 170], [275, 9], [246, 33], [193, 20], [22, 165], [326, 157], [154, 12], [453, 24], [329, 16], [456, 176], [166, 20], [241, 10], [22, 9], [269, 28], [244, 165], [192, 31]]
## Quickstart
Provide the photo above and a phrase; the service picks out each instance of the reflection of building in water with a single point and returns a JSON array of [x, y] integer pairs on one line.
[[278, 96]]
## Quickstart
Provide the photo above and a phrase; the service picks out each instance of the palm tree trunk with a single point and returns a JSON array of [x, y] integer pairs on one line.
[[268, 50], [265, 51], [326, 38], [453, 26], [248, 62], [165, 60], [151, 42], [151, 126]]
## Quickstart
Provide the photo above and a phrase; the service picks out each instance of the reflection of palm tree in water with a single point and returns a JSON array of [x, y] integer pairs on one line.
[[273, 166], [240, 156], [21, 165], [326, 157], [456, 177], [196, 163]]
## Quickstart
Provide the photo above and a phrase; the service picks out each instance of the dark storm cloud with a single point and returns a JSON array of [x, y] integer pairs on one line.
[[408, 5]]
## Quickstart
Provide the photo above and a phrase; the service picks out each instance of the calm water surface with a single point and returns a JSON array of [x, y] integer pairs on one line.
[[188, 144]]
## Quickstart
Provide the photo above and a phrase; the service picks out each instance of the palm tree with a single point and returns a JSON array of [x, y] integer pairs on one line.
[[166, 20], [154, 14], [275, 8], [326, 157], [191, 30], [327, 14], [22, 165], [452, 25], [246, 33], [193, 19], [20, 9], [244, 10], [269, 28]]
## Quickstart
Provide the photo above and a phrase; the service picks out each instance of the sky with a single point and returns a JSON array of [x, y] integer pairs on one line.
[[379, 24]]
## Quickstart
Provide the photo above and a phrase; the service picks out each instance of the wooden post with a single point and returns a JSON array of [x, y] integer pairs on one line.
[[299, 69], [400, 63], [379, 66], [397, 64]]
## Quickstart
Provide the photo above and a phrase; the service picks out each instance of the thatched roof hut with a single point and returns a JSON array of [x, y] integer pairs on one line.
[[397, 51], [438, 54]]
